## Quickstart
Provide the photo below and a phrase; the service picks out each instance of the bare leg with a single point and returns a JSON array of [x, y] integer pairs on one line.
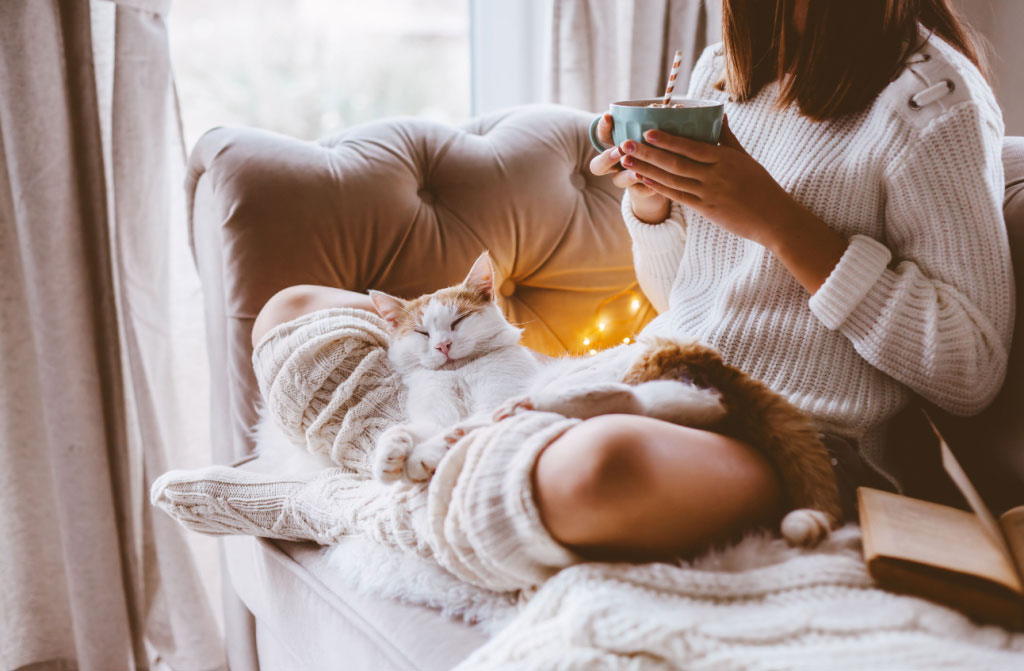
[[631, 487], [301, 299]]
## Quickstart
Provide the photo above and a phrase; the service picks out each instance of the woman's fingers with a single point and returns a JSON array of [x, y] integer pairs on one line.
[[625, 178], [606, 161], [694, 150], [683, 197], [668, 161], [604, 128], [639, 169]]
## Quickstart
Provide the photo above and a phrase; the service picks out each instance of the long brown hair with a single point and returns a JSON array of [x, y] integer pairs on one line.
[[848, 52]]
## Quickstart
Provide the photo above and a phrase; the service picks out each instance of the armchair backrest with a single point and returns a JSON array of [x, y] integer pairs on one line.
[[405, 206]]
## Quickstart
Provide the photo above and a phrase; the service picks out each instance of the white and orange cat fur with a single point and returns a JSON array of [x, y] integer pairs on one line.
[[459, 357]]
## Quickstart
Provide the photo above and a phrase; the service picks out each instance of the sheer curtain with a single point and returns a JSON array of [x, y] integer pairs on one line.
[[100, 332], [608, 50]]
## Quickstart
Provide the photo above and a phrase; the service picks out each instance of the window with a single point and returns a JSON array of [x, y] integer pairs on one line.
[[308, 68]]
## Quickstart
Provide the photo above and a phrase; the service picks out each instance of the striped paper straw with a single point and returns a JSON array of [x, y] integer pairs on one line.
[[672, 78]]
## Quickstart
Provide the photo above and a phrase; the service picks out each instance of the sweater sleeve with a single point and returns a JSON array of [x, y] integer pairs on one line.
[[933, 307], [657, 251]]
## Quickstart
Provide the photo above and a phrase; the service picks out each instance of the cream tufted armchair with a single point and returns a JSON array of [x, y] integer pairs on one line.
[[405, 206]]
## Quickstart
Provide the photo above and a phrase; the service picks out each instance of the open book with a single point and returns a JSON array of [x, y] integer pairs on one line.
[[970, 561]]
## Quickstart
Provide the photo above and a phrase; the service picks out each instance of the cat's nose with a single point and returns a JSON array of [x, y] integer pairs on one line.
[[443, 346]]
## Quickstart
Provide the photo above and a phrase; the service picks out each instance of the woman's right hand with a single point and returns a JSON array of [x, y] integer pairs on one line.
[[648, 206]]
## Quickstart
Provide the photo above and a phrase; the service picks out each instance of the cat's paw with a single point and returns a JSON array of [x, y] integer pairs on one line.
[[425, 457], [512, 406], [391, 453], [586, 401], [806, 527], [681, 403]]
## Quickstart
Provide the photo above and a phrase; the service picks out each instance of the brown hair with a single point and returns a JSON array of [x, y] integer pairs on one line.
[[849, 50]]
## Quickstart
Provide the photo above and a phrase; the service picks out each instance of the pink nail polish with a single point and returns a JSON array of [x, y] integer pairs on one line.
[[653, 135], [629, 146], [628, 162]]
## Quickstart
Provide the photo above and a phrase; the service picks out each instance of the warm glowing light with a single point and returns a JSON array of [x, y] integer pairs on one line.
[[600, 326], [586, 341], [626, 340], [592, 352], [635, 304]]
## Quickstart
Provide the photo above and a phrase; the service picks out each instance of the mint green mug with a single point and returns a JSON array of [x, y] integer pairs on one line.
[[699, 120]]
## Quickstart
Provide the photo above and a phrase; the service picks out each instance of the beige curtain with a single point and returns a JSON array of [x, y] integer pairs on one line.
[[608, 50], [99, 331]]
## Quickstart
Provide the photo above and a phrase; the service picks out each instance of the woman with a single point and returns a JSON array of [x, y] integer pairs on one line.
[[843, 243]]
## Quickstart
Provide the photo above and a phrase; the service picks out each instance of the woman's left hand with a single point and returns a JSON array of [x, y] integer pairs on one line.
[[722, 182]]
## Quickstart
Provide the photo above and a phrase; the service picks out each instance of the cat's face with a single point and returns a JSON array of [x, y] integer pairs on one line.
[[437, 331]]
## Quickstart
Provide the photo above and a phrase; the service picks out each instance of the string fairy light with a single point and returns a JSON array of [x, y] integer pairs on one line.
[[607, 330]]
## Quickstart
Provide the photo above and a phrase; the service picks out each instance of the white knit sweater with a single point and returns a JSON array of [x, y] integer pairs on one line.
[[922, 299]]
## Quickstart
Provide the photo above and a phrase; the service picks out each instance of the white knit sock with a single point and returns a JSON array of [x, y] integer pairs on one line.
[[322, 507]]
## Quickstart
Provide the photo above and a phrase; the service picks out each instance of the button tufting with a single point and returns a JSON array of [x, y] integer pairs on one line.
[[578, 180], [508, 287], [426, 195]]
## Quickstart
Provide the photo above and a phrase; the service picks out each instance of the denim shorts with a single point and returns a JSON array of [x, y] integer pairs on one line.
[[851, 471]]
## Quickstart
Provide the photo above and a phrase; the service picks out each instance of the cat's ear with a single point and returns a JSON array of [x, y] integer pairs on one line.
[[389, 307], [481, 277]]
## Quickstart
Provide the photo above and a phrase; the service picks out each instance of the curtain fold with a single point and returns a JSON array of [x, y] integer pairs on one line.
[[608, 50], [96, 324]]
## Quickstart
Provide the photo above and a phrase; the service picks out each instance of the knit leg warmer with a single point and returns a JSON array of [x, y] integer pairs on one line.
[[484, 525]]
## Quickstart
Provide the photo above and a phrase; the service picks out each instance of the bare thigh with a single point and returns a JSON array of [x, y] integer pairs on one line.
[[295, 301], [625, 486]]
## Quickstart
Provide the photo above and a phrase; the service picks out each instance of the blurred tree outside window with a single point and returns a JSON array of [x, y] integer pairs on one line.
[[308, 68]]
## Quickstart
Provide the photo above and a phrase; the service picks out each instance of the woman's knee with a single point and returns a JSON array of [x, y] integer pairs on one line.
[[592, 475], [285, 305]]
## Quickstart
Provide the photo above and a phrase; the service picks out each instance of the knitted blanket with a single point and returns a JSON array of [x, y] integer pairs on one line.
[[758, 605], [327, 384]]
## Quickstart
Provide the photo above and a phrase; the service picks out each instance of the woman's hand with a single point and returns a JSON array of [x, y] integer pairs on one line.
[[730, 188], [648, 206], [722, 182]]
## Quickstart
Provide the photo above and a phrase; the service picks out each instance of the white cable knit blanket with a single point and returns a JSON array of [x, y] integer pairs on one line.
[[758, 605]]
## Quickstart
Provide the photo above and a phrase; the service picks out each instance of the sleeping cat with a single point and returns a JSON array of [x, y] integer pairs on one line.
[[459, 358]]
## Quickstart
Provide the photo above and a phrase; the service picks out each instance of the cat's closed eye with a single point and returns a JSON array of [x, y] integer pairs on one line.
[[456, 322], [422, 333]]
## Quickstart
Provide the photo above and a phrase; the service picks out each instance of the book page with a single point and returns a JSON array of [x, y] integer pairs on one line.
[[1012, 524], [960, 479], [931, 534]]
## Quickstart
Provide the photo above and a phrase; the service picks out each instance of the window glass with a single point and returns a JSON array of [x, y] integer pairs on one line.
[[308, 68]]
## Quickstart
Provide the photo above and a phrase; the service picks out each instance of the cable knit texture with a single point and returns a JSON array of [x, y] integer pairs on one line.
[[756, 605], [327, 383], [921, 301], [752, 608], [329, 386]]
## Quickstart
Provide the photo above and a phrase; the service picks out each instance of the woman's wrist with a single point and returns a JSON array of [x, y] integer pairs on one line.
[[651, 213], [806, 245]]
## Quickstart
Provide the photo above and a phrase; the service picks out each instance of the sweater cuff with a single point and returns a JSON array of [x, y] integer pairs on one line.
[[860, 267], [654, 236], [660, 245]]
